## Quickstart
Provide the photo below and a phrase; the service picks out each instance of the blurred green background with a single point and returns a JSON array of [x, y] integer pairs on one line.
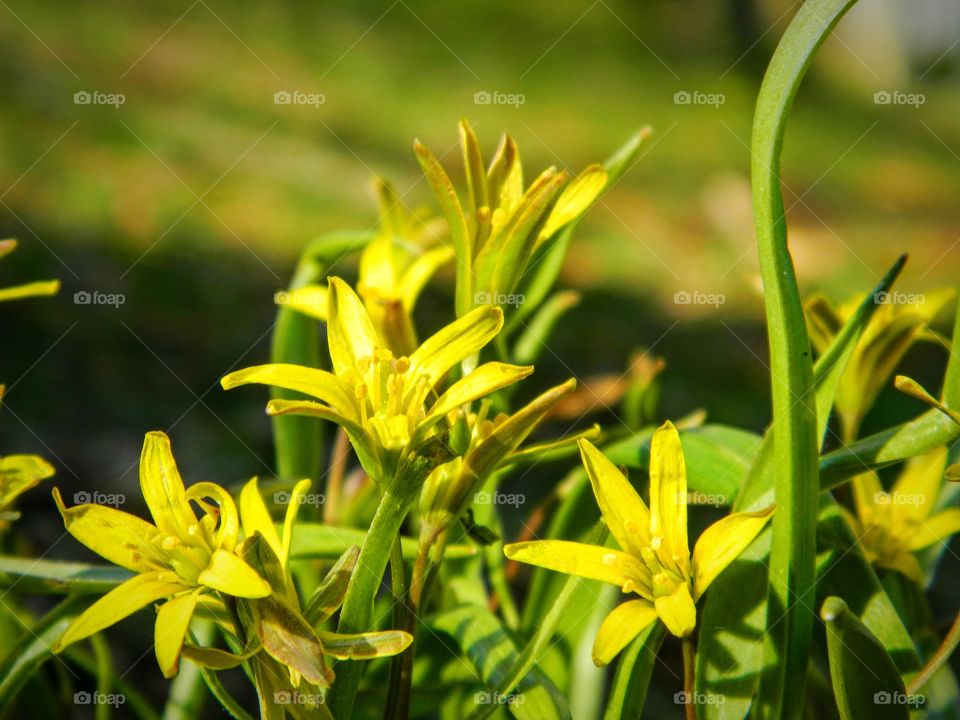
[[193, 197]]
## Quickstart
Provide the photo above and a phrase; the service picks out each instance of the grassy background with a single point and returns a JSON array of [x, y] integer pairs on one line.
[[194, 197]]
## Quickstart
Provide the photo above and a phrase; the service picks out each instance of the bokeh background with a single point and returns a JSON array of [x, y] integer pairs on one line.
[[193, 196]]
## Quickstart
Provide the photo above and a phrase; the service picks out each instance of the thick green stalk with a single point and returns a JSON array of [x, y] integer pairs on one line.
[[357, 612], [793, 553]]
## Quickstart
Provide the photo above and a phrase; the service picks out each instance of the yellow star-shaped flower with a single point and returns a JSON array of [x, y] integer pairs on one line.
[[179, 558], [654, 562]]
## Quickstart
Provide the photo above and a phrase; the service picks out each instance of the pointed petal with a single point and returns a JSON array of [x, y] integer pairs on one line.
[[588, 561], [575, 200], [906, 563], [255, 517], [34, 289], [921, 478], [624, 511], [668, 492], [677, 611], [312, 300], [320, 384], [112, 534], [452, 344], [619, 629], [311, 409], [162, 487], [231, 575], [419, 273], [290, 518], [939, 528], [721, 544], [867, 490], [225, 516], [486, 379], [123, 600], [363, 646], [350, 334], [173, 619]]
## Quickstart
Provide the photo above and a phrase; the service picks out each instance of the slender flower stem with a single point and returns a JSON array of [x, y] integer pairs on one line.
[[338, 467], [357, 613], [689, 666], [404, 618], [937, 660]]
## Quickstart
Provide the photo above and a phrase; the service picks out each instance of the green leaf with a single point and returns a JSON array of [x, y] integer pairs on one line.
[[634, 669], [792, 555], [33, 647], [330, 592], [28, 575], [491, 650], [295, 340], [315, 540], [866, 683]]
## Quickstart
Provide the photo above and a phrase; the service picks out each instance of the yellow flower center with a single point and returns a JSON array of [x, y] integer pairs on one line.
[[380, 386]]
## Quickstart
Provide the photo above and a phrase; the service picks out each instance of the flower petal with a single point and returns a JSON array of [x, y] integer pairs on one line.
[[575, 200], [419, 273], [311, 300], [624, 511], [619, 629], [350, 334], [486, 379], [34, 289], [721, 544], [110, 533], [228, 523], [162, 487], [452, 344], [668, 493], [939, 528], [320, 384], [290, 519], [173, 619], [677, 611], [123, 600], [231, 575], [255, 517], [921, 478], [867, 490], [588, 561], [904, 562]]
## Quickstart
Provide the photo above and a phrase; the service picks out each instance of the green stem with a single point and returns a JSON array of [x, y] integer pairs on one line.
[[938, 659], [357, 612], [187, 692], [689, 667], [404, 618], [792, 556]]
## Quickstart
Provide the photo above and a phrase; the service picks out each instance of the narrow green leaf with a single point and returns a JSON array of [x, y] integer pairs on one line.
[[866, 683], [491, 650], [330, 592], [28, 575], [634, 670], [315, 540]]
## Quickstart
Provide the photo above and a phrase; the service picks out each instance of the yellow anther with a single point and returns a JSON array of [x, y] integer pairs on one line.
[[401, 365]]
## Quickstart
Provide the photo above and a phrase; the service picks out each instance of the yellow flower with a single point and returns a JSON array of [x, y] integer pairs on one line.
[[394, 268], [654, 562], [389, 406], [44, 287], [18, 473], [898, 322], [497, 232], [892, 526], [179, 558]]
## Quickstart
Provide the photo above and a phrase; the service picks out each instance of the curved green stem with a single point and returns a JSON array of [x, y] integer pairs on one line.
[[792, 557], [938, 659], [357, 613]]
